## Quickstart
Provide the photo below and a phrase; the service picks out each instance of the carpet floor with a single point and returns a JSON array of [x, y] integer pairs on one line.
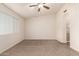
[[40, 48]]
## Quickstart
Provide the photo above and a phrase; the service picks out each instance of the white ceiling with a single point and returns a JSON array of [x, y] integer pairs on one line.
[[25, 11]]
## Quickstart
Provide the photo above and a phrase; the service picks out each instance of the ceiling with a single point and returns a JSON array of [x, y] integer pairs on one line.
[[25, 11]]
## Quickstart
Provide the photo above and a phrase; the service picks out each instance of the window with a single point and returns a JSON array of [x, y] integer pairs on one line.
[[7, 23]]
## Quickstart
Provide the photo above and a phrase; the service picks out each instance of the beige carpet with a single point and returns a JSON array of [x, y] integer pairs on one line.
[[40, 48]]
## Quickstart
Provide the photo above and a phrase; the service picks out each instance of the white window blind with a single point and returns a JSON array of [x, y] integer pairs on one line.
[[7, 23]]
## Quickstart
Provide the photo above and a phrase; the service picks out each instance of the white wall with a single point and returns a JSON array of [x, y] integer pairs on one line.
[[74, 27], [73, 17], [41, 27], [61, 25], [10, 39]]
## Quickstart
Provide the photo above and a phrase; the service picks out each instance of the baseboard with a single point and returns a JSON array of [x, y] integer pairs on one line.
[[74, 49], [39, 39], [13, 44], [62, 41]]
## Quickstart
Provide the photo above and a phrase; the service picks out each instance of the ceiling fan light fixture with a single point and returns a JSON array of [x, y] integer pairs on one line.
[[40, 6]]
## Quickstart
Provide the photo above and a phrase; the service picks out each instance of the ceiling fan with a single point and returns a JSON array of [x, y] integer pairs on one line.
[[39, 5]]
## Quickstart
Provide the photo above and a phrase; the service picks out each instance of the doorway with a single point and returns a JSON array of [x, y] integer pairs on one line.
[[67, 27]]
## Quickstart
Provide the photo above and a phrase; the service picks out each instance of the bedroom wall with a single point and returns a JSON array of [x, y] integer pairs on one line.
[[41, 27], [9, 39], [73, 17]]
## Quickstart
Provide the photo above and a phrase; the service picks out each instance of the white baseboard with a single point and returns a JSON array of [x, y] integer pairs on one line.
[[10, 46], [39, 39], [77, 50], [62, 41]]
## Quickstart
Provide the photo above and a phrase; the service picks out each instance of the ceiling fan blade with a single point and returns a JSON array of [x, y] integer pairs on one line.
[[38, 9], [46, 7], [33, 5], [44, 3]]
